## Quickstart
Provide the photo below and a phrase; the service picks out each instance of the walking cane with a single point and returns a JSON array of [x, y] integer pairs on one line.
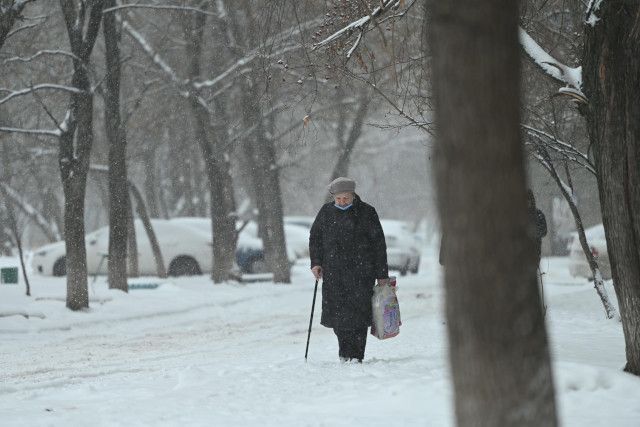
[[541, 284], [313, 304]]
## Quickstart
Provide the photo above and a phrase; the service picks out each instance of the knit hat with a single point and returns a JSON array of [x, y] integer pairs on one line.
[[342, 185]]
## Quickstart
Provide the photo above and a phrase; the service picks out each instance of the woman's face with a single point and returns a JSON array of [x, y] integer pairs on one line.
[[343, 199]]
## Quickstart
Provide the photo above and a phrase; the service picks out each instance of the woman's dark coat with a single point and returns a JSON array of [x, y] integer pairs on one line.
[[350, 247]]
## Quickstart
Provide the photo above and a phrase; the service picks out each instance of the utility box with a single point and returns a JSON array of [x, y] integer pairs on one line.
[[9, 275]]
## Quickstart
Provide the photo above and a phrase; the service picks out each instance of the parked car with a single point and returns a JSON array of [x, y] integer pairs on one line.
[[578, 265], [185, 251], [299, 220], [250, 251], [403, 246]]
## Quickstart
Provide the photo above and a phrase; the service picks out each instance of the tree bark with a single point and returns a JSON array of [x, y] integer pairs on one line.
[[75, 148], [151, 184], [611, 73], [132, 242], [498, 346], [118, 193]]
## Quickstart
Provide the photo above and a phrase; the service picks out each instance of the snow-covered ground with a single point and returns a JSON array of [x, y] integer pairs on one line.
[[196, 354]]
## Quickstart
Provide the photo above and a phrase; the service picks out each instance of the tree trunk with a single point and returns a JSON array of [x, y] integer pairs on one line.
[[344, 156], [76, 255], [75, 147], [161, 271], [611, 72], [221, 204], [132, 242], [118, 193], [151, 184], [260, 149], [11, 216], [498, 346], [598, 282], [266, 182]]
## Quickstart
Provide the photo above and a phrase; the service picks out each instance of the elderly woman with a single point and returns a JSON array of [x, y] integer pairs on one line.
[[348, 251]]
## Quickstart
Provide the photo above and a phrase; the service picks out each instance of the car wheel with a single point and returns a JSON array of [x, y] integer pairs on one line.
[[414, 270], [60, 267], [404, 270], [184, 266], [258, 266]]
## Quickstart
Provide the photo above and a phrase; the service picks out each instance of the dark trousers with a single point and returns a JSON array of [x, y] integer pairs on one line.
[[351, 343]]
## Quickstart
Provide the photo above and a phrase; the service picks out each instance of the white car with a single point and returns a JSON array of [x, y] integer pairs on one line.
[[299, 220], [185, 251], [403, 246], [297, 239], [578, 265], [250, 253]]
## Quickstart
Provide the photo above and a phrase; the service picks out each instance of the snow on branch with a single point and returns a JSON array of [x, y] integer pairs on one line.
[[572, 77], [546, 163], [17, 5], [38, 54], [359, 24], [49, 228], [155, 57], [591, 18], [26, 91], [564, 149], [42, 132], [160, 7], [98, 168], [183, 86], [250, 56]]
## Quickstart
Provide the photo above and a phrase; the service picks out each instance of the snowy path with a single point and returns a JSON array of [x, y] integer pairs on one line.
[[198, 354]]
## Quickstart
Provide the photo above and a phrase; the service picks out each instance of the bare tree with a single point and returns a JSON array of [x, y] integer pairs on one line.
[[604, 87], [115, 133], [498, 347], [543, 156], [76, 140], [611, 69], [14, 227], [215, 154], [141, 208], [260, 151], [346, 146]]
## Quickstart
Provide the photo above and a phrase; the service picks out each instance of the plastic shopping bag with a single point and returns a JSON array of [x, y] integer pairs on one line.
[[385, 310]]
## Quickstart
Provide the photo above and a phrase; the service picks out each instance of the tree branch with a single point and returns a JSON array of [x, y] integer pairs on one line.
[[38, 54], [44, 86], [160, 7]]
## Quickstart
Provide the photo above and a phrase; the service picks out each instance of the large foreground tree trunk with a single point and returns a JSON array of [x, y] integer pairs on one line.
[[611, 69], [118, 193], [75, 146], [498, 346]]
